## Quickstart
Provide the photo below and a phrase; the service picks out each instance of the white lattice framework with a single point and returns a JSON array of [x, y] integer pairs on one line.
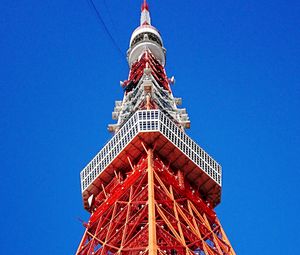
[[149, 121]]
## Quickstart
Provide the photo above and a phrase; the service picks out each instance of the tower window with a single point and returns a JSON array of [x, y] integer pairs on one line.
[[141, 37]]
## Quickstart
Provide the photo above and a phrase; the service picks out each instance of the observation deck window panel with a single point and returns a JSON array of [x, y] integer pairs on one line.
[[180, 144], [195, 157], [208, 169], [218, 169], [168, 133], [98, 170], [143, 125], [205, 168], [194, 147], [112, 143], [187, 150], [204, 155], [152, 125], [184, 148], [211, 162], [190, 152], [201, 163], [198, 151], [154, 38], [175, 139], [180, 135], [122, 132], [125, 139], [137, 39], [112, 153], [153, 117], [183, 139], [172, 137]]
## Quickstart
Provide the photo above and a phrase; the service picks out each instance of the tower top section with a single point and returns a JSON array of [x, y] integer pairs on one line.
[[145, 15], [145, 6], [146, 37]]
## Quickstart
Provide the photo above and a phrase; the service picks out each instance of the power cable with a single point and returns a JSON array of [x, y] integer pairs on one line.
[[93, 6], [110, 16]]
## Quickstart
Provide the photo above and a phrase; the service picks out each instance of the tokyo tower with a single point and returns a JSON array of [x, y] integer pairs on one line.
[[151, 189]]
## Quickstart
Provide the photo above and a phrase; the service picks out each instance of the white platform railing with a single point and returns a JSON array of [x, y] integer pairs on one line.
[[149, 121]]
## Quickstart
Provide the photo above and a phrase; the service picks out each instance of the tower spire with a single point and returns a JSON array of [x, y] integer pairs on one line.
[[145, 14]]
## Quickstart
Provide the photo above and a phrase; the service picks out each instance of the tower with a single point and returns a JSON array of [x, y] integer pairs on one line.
[[151, 189]]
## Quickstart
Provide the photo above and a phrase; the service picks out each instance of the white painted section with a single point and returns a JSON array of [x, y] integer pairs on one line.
[[150, 121], [134, 53], [145, 17], [143, 29]]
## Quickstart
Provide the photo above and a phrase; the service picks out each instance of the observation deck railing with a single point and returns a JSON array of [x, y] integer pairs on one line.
[[149, 121]]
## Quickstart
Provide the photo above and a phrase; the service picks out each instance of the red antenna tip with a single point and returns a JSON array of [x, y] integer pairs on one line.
[[145, 6]]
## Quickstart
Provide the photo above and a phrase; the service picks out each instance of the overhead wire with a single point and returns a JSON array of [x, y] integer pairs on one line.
[[100, 18], [109, 15]]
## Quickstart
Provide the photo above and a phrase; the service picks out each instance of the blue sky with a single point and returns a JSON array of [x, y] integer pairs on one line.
[[236, 65]]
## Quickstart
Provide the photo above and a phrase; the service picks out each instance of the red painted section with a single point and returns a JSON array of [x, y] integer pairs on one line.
[[137, 71], [119, 224], [115, 192], [145, 6]]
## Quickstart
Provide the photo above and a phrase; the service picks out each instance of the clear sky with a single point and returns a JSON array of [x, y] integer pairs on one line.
[[236, 65]]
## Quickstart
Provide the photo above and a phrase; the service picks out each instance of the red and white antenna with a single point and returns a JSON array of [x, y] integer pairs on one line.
[[145, 14]]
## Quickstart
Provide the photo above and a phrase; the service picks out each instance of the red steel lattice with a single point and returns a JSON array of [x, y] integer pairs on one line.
[[184, 224]]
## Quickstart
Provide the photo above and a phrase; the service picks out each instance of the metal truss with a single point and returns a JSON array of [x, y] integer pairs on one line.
[[152, 209], [148, 79]]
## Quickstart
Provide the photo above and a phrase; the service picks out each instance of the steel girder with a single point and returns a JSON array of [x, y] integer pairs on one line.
[[152, 210]]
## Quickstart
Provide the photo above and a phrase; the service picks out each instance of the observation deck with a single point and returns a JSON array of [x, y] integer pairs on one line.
[[153, 128]]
